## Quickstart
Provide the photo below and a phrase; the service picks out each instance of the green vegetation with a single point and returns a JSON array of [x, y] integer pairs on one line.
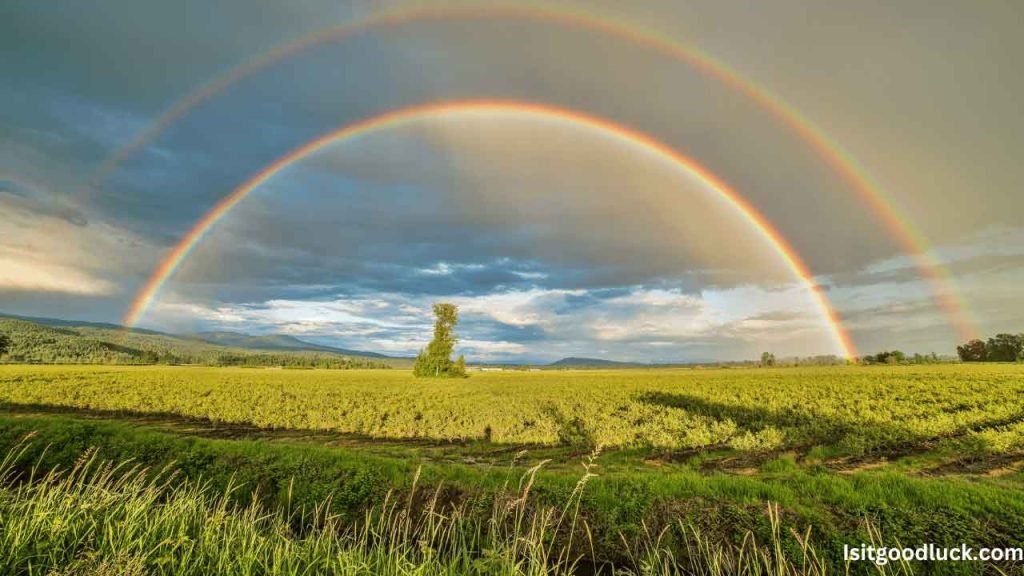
[[436, 360], [620, 513], [35, 343], [101, 519], [899, 357], [857, 410], [999, 348], [924, 453]]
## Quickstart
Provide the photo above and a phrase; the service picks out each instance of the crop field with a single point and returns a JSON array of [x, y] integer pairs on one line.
[[854, 409], [925, 453]]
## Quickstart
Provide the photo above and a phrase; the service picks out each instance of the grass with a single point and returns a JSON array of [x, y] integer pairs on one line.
[[97, 518], [623, 508], [690, 459], [855, 410]]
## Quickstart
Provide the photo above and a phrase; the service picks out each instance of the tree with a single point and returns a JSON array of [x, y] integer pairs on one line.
[[436, 360], [1004, 348], [973, 351], [5, 344], [767, 359], [459, 368], [890, 357]]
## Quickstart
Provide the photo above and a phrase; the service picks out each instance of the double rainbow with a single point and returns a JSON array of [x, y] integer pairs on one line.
[[406, 115], [840, 160]]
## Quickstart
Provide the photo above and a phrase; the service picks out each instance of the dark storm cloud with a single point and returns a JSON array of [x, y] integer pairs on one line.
[[221, 143], [495, 331], [373, 247], [32, 201], [57, 305], [136, 55], [905, 273], [82, 96], [338, 225]]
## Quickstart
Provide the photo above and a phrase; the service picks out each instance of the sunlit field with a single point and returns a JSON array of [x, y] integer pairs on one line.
[[853, 409], [516, 472]]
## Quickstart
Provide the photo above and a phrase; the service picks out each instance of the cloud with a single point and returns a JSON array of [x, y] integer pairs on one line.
[[43, 250], [21, 196], [560, 236], [23, 272], [536, 324], [605, 213]]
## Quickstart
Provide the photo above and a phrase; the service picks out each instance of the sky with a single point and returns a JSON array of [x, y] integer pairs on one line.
[[555, 238]]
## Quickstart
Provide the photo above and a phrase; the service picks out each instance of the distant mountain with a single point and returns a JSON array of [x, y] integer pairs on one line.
[[276, 342], [574, 362], [51, 340], [60, 323]]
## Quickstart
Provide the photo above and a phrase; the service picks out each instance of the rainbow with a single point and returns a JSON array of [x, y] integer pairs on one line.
[[395, 118], [841, 161]]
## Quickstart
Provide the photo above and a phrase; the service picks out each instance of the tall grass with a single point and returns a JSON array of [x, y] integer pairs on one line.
[[99, 518]]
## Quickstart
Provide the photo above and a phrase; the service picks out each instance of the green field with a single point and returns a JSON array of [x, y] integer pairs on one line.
[[920, 453], [852, 410]]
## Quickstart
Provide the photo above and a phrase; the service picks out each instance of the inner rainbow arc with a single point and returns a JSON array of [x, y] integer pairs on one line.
[[180, 252]]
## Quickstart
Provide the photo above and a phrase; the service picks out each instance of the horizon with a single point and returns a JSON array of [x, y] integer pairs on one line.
[[523, 361]]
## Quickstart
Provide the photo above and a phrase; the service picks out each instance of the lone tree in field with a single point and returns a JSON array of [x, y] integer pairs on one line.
[[436, 360], [767, 359]]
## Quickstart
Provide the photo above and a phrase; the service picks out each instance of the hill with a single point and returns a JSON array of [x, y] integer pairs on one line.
[[575, 362], [276, 342], [61, 323], [51, 341]]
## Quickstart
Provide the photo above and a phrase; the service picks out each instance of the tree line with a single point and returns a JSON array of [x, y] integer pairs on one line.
[[999, 348], [899, 357], [25, 342], [768, 359]]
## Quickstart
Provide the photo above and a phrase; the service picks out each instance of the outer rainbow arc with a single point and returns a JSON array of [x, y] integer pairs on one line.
[[842, 162], [181, 251]]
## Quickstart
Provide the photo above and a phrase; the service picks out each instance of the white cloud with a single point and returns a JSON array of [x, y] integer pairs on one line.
[[516, 308], [46, 251], [25, 272], [640, 324]]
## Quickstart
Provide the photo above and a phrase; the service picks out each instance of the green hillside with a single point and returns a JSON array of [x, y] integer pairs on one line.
[[276, 342], [34, 342]]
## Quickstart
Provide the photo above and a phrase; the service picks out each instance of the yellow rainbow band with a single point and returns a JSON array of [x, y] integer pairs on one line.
[[394, 118]]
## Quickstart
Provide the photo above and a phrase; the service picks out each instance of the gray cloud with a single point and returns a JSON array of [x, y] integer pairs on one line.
[[918, 91], [26, 198]]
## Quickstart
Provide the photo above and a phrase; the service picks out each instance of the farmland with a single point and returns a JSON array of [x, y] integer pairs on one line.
[[924, 453], [855, 410]]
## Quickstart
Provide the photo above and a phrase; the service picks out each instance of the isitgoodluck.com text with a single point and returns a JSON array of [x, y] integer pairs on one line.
[[882, 555]]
